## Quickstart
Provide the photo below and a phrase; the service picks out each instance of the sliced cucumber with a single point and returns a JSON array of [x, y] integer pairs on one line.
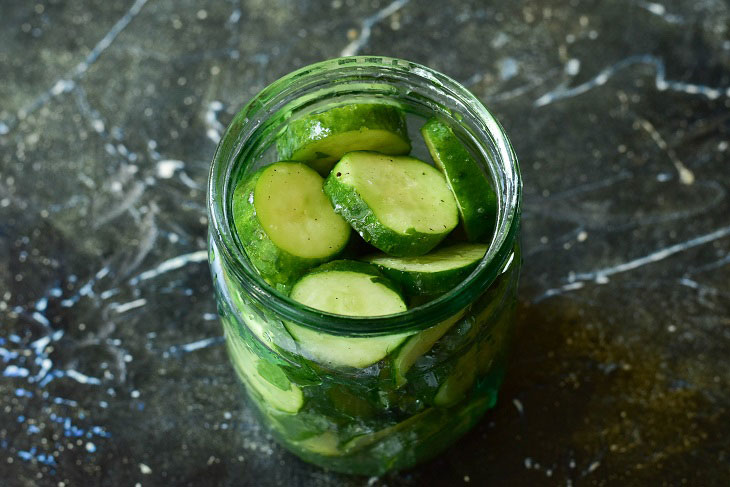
[[322, 139], [400, 205], [364, 441], [269, 330], [458, 383], [266, 379], [324, 444], [285, 222], [348, 288], [357, 248], [474, 196], [419, 344], [433, 273]]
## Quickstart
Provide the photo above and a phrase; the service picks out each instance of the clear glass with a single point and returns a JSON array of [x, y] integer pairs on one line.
[[443, 361]]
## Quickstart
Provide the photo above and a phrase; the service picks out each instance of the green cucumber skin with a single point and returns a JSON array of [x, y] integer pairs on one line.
[[466, 180], [345, 265], [277, 266], [427, 283], [357, 248], [349, 204], [455, 387], [346, 118]]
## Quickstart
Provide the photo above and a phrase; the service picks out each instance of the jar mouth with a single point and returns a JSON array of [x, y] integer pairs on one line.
[[272, 100]]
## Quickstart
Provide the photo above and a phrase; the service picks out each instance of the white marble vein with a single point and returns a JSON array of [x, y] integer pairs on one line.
[[107, 40], [661, 11], [166, 168], [82, 378], [124, 307], [87, 289], [68, 82], [722, 262], [686, 176], [600, 276], [150, 233], [655, 256], [197, 345], [519, 91], [499, 96], [660, 81], [215, 128], [171, 265], [129, 200], [367, 24], [591, 186]]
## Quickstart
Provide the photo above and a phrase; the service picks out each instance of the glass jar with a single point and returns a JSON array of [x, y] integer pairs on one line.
[[428, 374]]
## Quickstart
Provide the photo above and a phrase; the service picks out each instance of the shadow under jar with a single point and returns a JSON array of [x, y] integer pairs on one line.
[[443, 361]]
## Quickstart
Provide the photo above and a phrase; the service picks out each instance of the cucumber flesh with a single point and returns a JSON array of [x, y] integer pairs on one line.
[[276, 389], [323, 138], [271, 332], [419, 344], [475, 198], [433, 273], [458, 383], [348, 288], [399, 205], [285, 222]]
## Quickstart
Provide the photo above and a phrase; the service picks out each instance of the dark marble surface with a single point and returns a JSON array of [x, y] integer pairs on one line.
[[112, 369]]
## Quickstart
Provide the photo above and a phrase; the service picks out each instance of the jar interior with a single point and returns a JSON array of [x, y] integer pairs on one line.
[[422, 94], [411, 98]]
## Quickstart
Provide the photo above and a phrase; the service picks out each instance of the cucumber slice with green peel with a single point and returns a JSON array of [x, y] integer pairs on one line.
[[269, 330], [400, 205], [348, 288], [475, 198], [421, 299], [266, 379], [433, 273], [458, 383], [323, 138], [326, 444], [419, 344], [285, 222], [344, 351]]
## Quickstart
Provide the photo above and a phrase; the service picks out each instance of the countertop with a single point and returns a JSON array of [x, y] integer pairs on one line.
[[112, 367]]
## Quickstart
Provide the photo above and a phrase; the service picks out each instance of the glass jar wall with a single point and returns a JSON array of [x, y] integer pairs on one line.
[[366, 395]]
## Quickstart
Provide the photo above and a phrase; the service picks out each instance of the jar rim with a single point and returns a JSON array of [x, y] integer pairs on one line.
[[496, 259]]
